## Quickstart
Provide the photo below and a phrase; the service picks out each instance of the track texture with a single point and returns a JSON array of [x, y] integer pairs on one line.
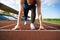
[[10, 24], [51, 33]]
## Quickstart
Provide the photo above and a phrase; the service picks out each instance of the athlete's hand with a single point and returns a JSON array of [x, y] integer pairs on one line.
[[17, 26], [41, 28]]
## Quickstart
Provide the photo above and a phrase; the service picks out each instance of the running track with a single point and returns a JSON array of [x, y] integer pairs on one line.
[[52, 31]]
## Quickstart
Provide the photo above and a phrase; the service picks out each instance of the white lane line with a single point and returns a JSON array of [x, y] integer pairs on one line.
[[7, 26], [9, 30], [50, 26]]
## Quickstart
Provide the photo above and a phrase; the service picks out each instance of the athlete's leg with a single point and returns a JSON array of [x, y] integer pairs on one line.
[[33, 15], [25, 15]]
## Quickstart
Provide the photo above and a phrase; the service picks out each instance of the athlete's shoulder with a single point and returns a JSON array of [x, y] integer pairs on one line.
[[21, 1], [38, 1]]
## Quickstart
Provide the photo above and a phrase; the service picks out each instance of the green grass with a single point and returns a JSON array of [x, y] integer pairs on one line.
[[54, 21]]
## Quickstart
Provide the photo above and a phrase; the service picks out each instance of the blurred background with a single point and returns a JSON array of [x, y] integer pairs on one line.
[[50, 10]]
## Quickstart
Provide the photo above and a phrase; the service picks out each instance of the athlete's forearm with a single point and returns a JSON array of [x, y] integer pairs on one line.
[[19, 17], [39, 11], [40, 18], [39, 15], [20, 11]]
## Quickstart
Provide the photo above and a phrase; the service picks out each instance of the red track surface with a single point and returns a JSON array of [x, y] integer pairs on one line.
[[11, 24], [51, 33]]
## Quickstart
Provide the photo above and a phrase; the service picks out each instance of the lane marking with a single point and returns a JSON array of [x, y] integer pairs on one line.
[[26, 30], [6, 26], [50, 26]]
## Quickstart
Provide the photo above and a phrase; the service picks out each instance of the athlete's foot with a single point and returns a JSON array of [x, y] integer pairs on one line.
[[25, 22], [32, 26], [15, 27]]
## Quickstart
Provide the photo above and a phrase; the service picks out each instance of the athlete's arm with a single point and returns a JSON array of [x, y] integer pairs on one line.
[[19, 15], [39, 12], [20, 12]]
